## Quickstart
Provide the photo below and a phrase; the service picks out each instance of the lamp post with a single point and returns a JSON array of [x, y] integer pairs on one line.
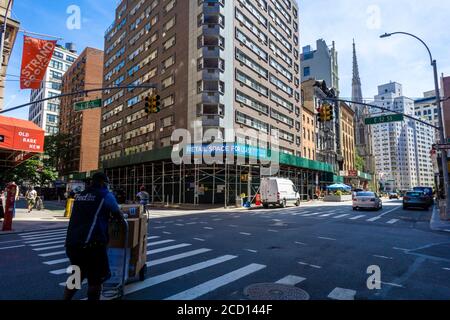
[[439, 109]]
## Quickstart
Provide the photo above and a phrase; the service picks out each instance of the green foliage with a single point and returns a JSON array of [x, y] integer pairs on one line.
[[359, 163], [32, 171], [338, 193], [56, 149]]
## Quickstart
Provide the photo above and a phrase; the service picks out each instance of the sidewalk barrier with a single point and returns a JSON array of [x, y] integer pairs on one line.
[[69, 206]]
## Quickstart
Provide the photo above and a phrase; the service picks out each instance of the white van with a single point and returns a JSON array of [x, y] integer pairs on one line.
[[278, 191]]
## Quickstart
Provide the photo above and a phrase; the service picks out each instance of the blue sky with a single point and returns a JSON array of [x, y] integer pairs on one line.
[[397, 58]]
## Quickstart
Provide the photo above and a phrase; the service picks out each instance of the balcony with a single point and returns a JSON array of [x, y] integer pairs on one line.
[[212, 121]]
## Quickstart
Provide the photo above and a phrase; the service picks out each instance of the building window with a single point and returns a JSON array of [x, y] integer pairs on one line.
[[166, 122], [306, 71]]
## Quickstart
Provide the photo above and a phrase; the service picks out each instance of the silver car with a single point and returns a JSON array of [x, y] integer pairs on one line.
[[367, 200]]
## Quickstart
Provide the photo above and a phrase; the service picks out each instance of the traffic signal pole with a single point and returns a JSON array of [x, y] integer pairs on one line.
[[140, 86]]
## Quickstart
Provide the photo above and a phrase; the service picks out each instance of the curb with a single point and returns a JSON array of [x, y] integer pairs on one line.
[[436, 224]]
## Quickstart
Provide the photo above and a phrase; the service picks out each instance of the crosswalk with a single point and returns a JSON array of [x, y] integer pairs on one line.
[[217, 270], [335, 215]]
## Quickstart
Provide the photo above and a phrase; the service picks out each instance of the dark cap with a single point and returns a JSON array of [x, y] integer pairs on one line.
[[99, 178]]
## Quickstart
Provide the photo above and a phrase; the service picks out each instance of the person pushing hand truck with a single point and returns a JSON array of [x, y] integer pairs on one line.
[[87, 235]]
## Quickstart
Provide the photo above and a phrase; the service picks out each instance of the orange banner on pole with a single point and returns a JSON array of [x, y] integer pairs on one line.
[[37, 54]]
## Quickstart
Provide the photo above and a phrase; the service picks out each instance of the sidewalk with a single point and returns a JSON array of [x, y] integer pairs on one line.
[[50, 218], [436, 224]]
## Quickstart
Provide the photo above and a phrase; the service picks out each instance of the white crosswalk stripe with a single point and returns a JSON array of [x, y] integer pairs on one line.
[[152, 281], [393, 221], [45, 236], [216, 283], [49, 248], [177, 257], [42, 232], [58, 261], [374, 219], [328, 213], [291, 280], [159, 242], [45, 240], [177, 246], [358, 217], [341, 216], [342, 294], [47, 243], [44, 255]]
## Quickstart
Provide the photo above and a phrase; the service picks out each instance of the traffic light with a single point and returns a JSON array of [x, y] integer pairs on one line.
[[327, 112], [320, 114], [152, 104]]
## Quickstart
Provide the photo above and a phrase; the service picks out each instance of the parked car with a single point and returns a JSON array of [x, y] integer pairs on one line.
[[428, 191], [277, 191], [393, 195], [367, 200], [416, 199]]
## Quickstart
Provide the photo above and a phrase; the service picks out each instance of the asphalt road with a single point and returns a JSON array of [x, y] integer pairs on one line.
[[323, 249]]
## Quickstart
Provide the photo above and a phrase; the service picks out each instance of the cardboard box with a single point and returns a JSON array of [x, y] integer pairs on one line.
[[132, 210], [139, 253], [117, 234]]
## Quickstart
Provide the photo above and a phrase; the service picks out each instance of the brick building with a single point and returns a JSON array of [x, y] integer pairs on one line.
[[82, 127]]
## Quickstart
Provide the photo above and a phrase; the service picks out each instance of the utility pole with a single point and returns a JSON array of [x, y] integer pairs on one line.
[[440, 118]]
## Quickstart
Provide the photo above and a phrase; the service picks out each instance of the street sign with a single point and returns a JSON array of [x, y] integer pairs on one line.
[[384, 119], [443, 146], [85, 105]]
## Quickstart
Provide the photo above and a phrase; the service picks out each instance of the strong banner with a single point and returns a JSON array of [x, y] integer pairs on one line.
[[35, 59]]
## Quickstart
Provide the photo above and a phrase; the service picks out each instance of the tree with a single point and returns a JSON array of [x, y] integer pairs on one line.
[[359, 163], [32, 171], [56, 149]]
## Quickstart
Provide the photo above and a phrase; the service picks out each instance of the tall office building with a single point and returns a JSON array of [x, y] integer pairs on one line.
[[12, 28], [46, 114], [402, 149], [220, 65], [321, 64]]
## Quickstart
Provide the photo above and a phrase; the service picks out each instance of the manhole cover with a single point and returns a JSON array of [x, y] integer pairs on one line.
[[274, 291]]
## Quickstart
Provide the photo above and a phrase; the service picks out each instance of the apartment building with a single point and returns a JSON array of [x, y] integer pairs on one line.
[[46, 114], [221, 66], [321, 64], [82, 128], [402, 149], [248, 80]]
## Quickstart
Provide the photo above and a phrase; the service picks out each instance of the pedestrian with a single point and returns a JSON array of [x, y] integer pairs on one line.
[[87, 235], [31, 196], [143, 198], [2, 211]]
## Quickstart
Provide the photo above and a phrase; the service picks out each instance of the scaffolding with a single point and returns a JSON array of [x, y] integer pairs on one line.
[[215, 184]]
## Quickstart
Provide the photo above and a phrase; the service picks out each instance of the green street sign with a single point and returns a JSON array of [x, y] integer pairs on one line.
[[85, 105], [385, 119]]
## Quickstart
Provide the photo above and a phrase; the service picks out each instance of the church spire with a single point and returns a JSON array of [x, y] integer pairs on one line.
[[356, 82]]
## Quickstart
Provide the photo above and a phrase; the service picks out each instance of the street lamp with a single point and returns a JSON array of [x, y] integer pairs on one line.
[[439, 108]]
